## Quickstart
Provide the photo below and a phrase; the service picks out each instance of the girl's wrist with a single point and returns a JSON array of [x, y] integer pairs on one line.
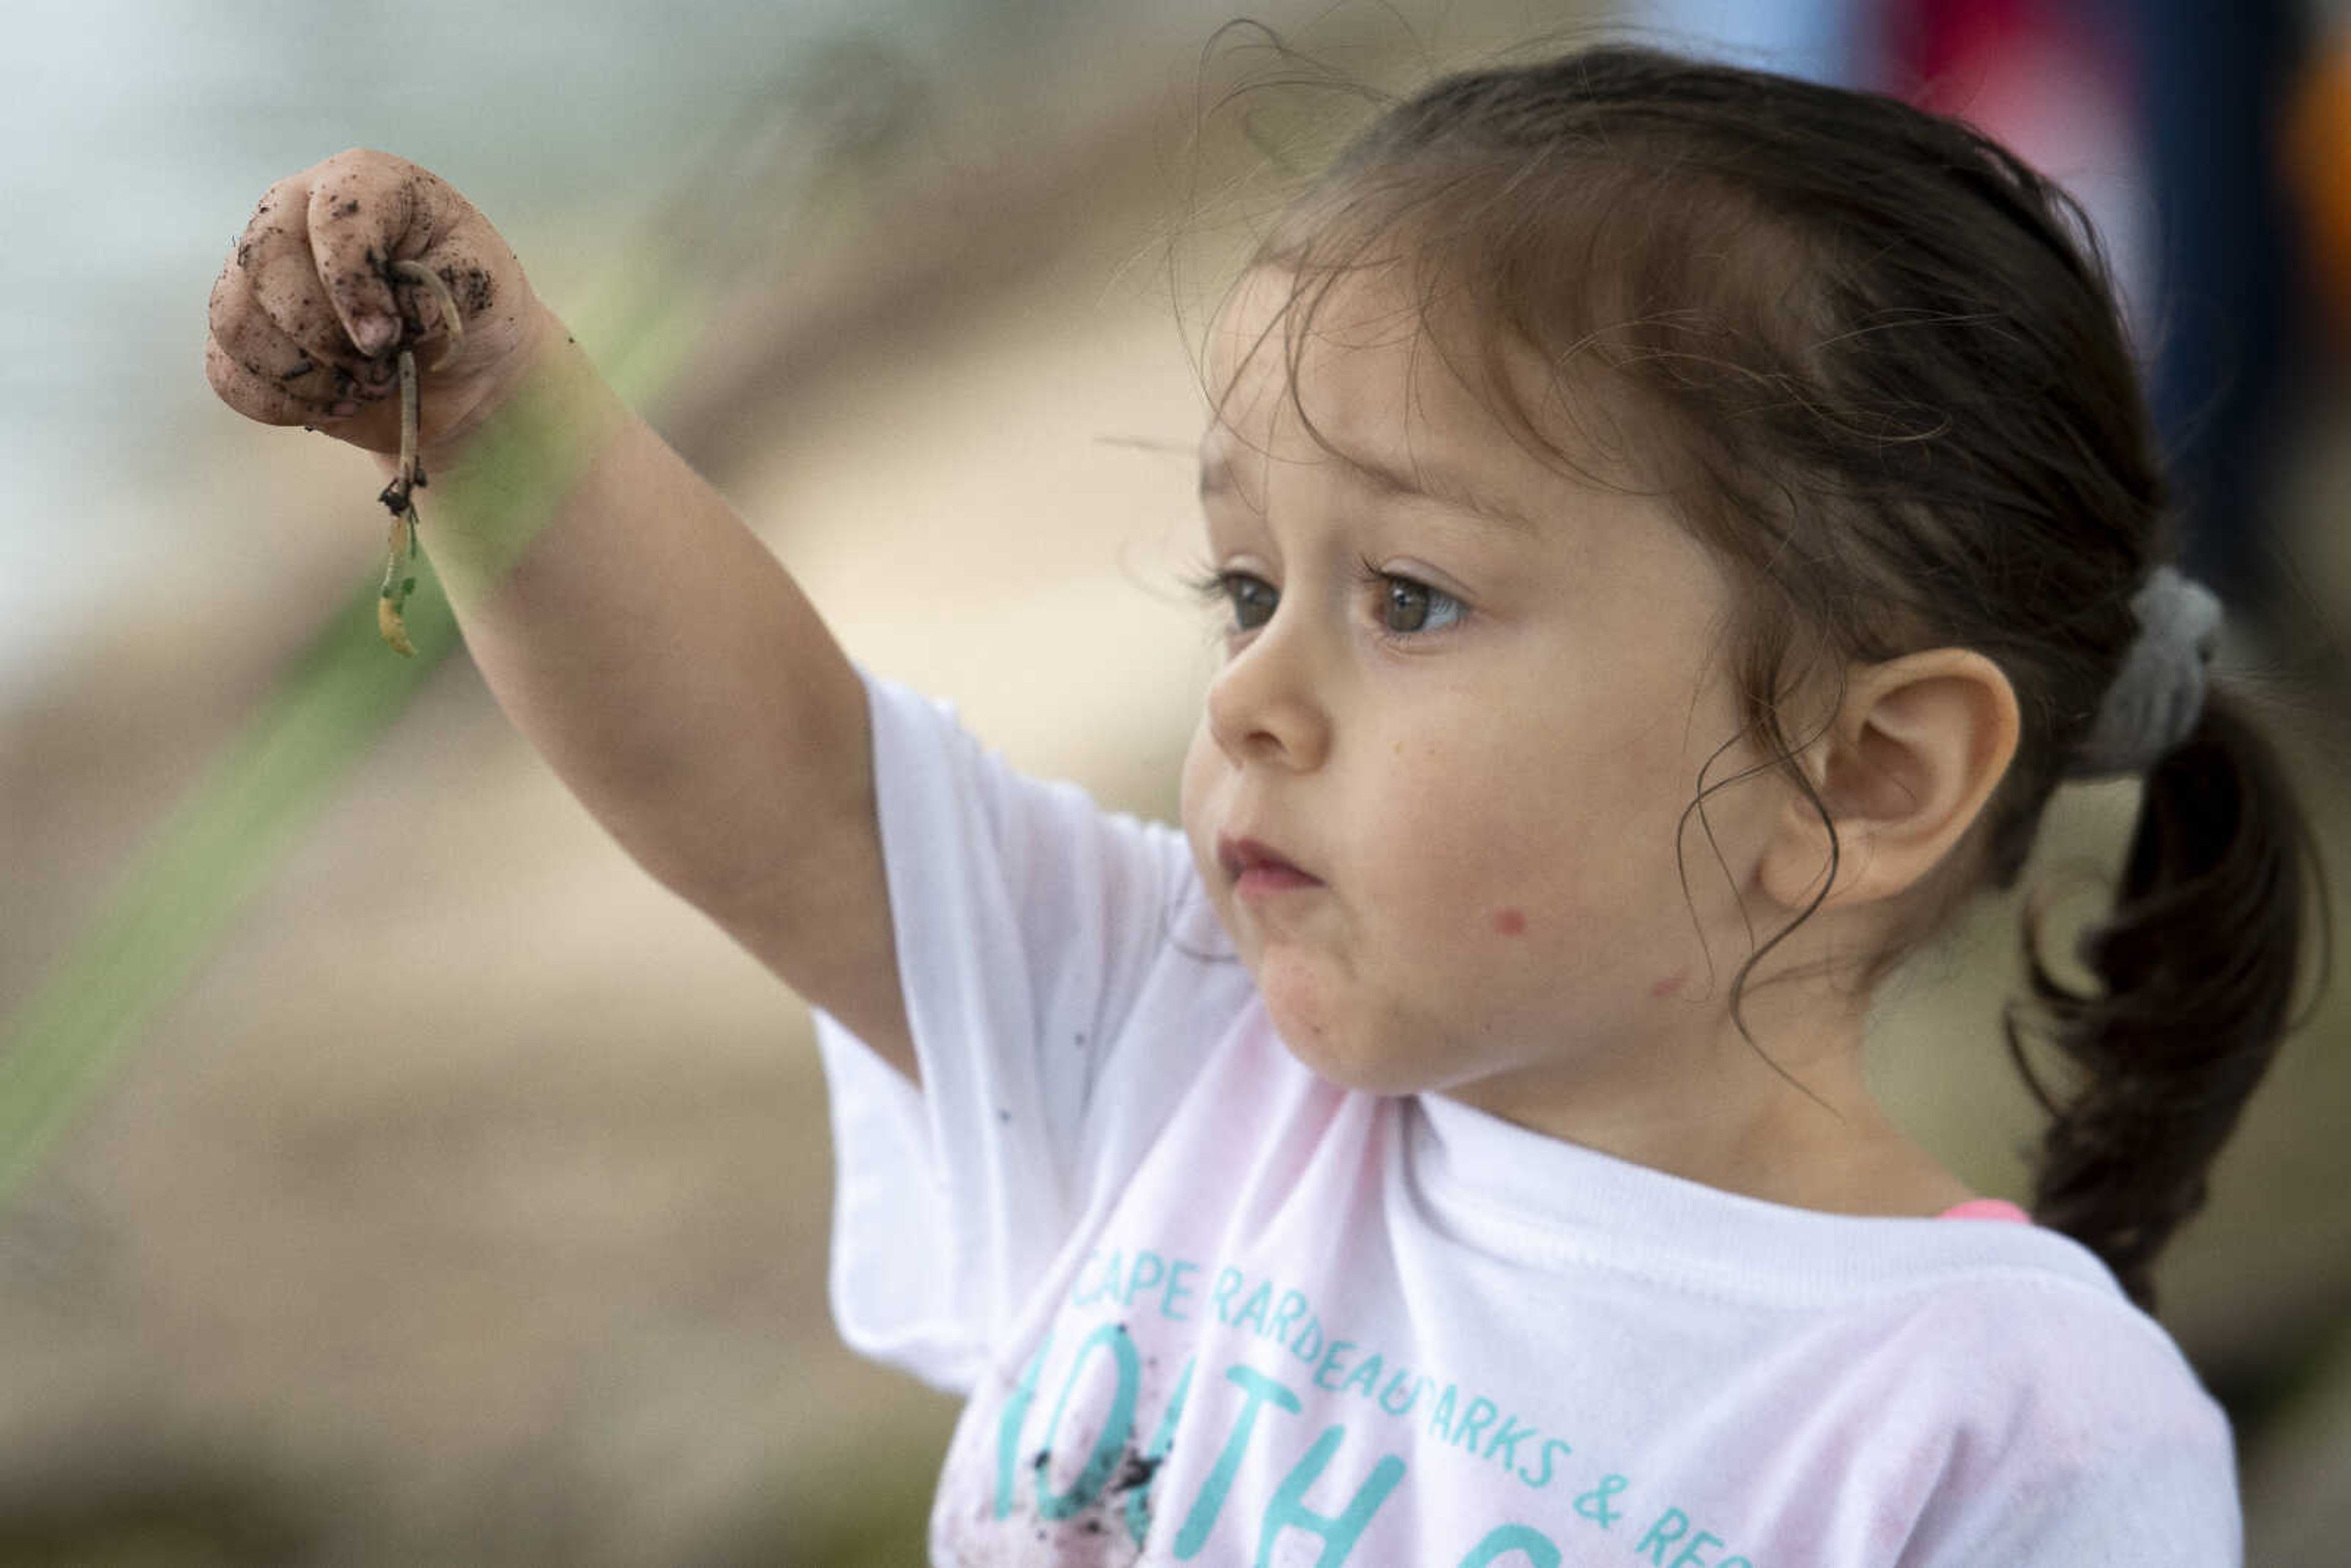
[[506, 468], [544, 361]]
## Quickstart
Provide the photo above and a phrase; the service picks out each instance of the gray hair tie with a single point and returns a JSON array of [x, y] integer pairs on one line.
[[2160, 691]]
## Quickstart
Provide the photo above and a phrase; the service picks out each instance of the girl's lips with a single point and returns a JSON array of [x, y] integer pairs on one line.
[[1258, 871], [1265, 881]]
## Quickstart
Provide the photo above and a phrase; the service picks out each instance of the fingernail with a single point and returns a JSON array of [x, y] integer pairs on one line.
[[373, 334]]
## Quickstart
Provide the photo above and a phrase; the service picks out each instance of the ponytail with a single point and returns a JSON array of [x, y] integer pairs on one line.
[[2195, 971]]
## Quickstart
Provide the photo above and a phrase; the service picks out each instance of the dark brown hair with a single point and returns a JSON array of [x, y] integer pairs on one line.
[[1874, 362]]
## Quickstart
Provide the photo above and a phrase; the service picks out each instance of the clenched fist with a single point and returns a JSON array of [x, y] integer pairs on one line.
[[311, 313]]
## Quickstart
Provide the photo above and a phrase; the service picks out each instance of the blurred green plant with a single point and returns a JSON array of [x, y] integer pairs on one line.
[[227, 835], [219, 844], [783, 178]]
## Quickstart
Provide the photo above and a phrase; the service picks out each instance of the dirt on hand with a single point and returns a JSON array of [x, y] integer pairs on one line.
[[344, 266]]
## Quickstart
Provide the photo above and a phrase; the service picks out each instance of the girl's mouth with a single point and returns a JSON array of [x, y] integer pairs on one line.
[[1258, 871]]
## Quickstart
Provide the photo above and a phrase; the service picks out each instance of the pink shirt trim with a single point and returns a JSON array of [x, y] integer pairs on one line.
[[1987, 1209]]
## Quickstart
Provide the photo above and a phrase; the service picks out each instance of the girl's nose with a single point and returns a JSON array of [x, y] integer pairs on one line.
[[1266, 705]]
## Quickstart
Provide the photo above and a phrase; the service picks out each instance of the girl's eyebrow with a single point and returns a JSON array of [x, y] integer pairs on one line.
[[1423, 480], [1215, 475], [1435, 482]]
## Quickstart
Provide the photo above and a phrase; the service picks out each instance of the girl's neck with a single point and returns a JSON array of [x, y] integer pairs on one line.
[[1800, 1129], [1844, 1160]]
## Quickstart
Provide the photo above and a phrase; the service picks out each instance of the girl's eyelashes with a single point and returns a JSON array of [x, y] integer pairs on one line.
[[1400, 606], [1248, 597], [1405, 606]]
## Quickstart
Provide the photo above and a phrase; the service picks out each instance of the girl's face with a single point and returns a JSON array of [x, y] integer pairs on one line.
[[1439, 781]]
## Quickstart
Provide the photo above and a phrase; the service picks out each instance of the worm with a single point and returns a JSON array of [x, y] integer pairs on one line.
[[400, 545]]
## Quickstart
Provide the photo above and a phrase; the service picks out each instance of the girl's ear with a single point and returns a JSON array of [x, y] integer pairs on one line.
[[1916, 749]]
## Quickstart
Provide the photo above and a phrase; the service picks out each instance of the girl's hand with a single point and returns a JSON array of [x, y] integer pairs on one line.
[[311, 311]]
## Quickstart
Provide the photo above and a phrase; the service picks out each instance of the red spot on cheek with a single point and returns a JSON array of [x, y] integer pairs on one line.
[[1668, 985], [1509, 921]]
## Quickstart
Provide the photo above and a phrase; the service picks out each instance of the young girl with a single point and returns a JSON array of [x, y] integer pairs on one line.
[[1673, 527]]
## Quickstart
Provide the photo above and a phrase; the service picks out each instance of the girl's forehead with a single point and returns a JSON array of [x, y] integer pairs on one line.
[[1351, 367], [1277, 321], [1350, 356]]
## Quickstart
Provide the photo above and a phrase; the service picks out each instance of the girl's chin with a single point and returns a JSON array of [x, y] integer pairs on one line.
[[1338, 1058]]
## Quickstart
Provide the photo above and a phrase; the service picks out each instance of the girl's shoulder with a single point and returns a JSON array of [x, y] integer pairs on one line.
[[2013, 1322], [2040, 1354], [2033, 1319], [2058, 1395]]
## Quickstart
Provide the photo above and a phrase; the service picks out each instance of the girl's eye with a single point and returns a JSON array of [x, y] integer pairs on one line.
[[1252, 599], [1406, 606]]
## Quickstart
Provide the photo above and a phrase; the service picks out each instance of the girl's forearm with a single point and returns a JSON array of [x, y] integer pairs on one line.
[[672, 672]]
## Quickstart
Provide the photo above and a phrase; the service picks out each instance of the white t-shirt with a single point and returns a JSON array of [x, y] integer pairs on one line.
[[1210, 1308]]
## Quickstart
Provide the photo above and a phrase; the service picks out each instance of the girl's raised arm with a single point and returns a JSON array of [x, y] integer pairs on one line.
[[632, 626]]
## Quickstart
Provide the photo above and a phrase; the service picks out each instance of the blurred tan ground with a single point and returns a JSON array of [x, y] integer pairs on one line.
[[471, 1206]]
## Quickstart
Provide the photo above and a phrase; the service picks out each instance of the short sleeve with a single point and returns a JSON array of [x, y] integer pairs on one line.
[[2158, 1498], [1054, 959], [2108, 1452]]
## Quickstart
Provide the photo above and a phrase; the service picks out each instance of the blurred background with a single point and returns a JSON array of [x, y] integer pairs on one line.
[[389, 1172]]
